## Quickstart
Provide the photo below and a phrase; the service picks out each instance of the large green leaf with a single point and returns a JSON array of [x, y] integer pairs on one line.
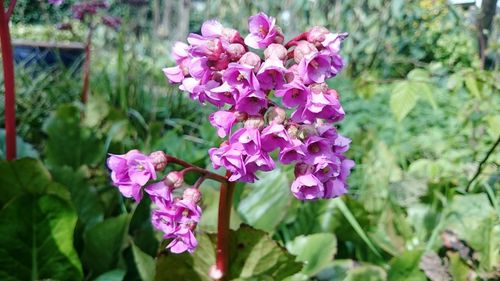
[[264, 207], [36, 239], [103, 244], [84, 197], [70, 143], [253, 256], [405, 267], [403, 99], [145, 264], [474, 220], [366, 273], [316, 251], [26, 176]]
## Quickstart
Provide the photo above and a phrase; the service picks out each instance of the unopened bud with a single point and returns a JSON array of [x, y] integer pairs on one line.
[[232, 35], [303, 49], [293, 131], [192, 194], [276, 115], [275, 51], [251, 59], [240, 116], [316, 35], [306, 130], [302, 169], [319, 88], [254, 122], [235, 51], [333, 93], [159, 160], [174, 179], [279, 36]]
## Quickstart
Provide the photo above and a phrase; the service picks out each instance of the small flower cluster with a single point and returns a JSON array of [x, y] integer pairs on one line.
[[176, 217], [253, 95], [82, 11]]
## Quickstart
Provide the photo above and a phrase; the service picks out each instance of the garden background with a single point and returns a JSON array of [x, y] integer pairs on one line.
[[422, 97]]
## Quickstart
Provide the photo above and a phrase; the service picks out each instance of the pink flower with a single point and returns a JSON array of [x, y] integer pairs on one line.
[[307, 187], [251, 101], [131, 171], [293, 94], [271, 74], [240, 75], [294, 151], [249, 138], [274, 136], [223, 121], [160, 194], [263, 31], [184, 241], [315, 68], [334, 188], [174, 74]]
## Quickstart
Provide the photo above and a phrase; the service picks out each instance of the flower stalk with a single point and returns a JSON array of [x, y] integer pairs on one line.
[[224, 217], [8, 72]]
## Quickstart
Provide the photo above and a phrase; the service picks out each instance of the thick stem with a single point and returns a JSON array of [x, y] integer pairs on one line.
[[8, 72], [222, 254], [86, 67]]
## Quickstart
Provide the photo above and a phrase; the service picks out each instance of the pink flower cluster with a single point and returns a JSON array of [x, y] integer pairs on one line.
[[176, 217], [278, 104]]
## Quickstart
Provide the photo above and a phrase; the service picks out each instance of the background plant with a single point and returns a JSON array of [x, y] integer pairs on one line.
[[407, 192]]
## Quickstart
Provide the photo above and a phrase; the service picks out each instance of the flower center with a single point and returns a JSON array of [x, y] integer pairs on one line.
[[240, 77], [295, 93], [314, 64], [314, 148]]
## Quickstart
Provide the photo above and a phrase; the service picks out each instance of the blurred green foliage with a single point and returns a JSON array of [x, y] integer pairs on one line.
[[421, 113]]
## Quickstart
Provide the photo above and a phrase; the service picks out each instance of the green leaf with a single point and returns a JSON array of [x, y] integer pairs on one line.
[[405, 267], [471, 85], [23, 149], [474, 220], [354, 223], [103, 244], [84, 197], [26, 176], [253, 255], [458, 269], [145, 264], [316, 251], [36, 239], [403, 99], [265, 205], [69, 143], [366, 273], [113, 275]]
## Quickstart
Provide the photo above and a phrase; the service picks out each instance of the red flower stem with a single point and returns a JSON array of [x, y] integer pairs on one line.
[[8, 72], [206, 173], [86, 67], [222, 254], [199, 181]]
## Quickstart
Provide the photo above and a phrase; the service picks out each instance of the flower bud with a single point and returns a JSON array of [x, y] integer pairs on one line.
[[302, 169], [174, 179], [232, 35], [276, 115], [254, 122], [192, 194], [276, 51], [235, 51], [319, 88], [302, 49], [333, 93], [241, 116], [306, 131], [293, 131], [279, 36], [316, 35], [159, 160], [251, 59]]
